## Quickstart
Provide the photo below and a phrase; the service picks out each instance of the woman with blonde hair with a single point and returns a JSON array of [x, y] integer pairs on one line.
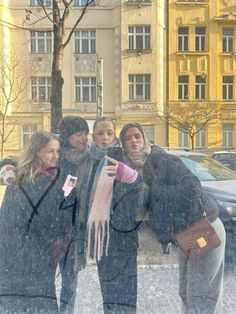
[[34, 217]]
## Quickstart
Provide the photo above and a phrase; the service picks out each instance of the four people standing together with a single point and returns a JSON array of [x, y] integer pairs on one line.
[[99, 217]]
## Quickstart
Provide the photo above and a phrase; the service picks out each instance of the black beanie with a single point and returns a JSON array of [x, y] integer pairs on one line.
[[70, 125]]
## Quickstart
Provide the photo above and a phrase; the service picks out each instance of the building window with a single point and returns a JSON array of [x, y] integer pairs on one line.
[[41, 88], [85, 89], [36, 3], [193, 0], [183, 87], [40, 42], [149, 131], [27, 131], [85, 41], [182, 138], [82, 3], [139, 1], [228, 87], [183, 39], [227, 39], [200, 87], [200, 39], [139, 87], [227, 135], [139, 37], [200, 136]]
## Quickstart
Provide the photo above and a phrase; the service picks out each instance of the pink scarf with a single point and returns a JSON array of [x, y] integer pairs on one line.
[[100, 213], [99, 216]]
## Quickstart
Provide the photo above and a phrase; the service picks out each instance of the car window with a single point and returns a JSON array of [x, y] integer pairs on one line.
[[207, 169], [225, 157]]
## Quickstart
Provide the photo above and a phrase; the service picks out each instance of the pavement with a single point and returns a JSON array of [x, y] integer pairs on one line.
[[157, 282], [157, 291]]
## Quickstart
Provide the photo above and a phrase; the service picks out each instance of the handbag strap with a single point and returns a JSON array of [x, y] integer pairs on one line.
[[36, 206]]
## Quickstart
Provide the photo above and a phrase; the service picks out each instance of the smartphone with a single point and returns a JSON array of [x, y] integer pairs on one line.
[[115, 153]]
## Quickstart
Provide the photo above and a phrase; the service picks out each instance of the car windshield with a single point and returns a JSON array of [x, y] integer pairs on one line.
[[207, 169], [225, 156]]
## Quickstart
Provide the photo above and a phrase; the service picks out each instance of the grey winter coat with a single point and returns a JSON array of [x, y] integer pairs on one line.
[[28, 238]]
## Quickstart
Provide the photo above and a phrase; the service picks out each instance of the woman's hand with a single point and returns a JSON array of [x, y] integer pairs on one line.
[[8, 174], [112, 167], [121, 171]]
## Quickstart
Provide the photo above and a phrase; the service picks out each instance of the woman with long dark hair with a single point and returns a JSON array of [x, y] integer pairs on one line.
[[176, 200]]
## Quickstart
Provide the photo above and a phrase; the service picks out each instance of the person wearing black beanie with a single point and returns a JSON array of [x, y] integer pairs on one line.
[[73, 131], [73, 137]]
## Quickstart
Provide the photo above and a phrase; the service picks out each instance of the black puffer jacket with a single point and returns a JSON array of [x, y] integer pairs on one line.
[[175, 194]]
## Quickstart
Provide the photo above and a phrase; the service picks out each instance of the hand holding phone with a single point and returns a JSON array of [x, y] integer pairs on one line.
[[115, 153]]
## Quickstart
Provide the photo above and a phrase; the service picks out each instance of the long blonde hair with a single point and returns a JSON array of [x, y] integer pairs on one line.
[[29, 163]]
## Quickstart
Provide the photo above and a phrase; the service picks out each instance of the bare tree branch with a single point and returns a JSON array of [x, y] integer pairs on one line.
[[89, 2], [40, 2], [13, 88], [192, 117]]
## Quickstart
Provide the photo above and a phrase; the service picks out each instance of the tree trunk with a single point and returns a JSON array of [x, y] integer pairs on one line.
[[56, 99], [3, 135], [57, 80], [2, 149], [192, 142]]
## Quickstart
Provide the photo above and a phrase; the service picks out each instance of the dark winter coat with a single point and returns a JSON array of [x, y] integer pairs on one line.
[[175, 194], [28, 250], [118, 271]]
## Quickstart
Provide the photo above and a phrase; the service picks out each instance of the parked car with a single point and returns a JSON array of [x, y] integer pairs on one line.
[[220, 183], [226, 158]]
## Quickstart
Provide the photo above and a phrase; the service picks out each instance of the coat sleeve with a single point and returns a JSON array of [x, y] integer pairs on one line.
[[174, 197], [128, 200]]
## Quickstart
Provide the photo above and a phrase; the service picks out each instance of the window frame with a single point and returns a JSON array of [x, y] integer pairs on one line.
[[201, 136], [79, 3], [133, 37], [200, 87], [227, 135], [45, 39], [33, 127], [227, 88], [183, 139], [227, 40], [38, 86], [34, 3], [81, 86], [149, 130], [183, 87], [80, 39], [183, 39], [200, 39], [142, 92]]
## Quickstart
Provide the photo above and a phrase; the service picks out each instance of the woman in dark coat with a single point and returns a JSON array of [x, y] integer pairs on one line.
[[175, 194], [73, 137], [35, 219], [116, 265]]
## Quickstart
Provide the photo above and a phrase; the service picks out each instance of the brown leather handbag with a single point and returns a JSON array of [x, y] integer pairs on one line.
[[197, 239]]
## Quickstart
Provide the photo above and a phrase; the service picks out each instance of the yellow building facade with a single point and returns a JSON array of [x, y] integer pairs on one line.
[[114, 65], [131, 60], [201, 62]]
